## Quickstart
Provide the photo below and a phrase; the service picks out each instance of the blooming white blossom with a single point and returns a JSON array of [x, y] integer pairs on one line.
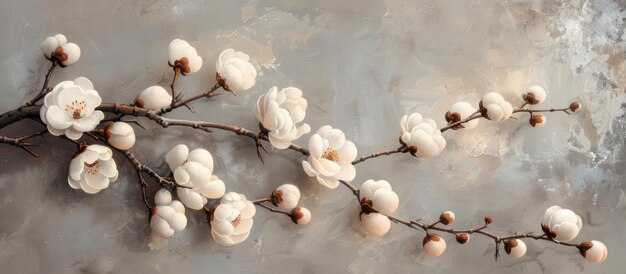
[[234, 71], [154, 97], [231, 221], [434, 245], [194, 170], [594, 251], [534, 95], [70, 108], [281, 113], [377, 201], [331, 157], [92, 169], [286, 196], [167, 216], [421, 135], [57, 47], [120, 135], [495, 108], [561, 224], [184, 56], [515, 248], [460, 111], [300, 215], [537, 120]]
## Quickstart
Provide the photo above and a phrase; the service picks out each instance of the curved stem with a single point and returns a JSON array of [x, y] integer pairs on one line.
[[401, 149], [44, 88]]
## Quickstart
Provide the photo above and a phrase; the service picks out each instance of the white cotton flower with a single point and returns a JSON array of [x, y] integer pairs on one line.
[[594, 251], [231, 221], [120, 135], [460, 111], [70, 108], [434, 245], [286, 196], [184, 56], [331, 157], [561, 224], [92, 169], [154, 97], [57, 48], [534, 95], [377, 201], [234, 71], [515, 248], [537, 120], [300, 216], [167, 216], [281, 113], [495, 108], [421, 136], [194, 170]]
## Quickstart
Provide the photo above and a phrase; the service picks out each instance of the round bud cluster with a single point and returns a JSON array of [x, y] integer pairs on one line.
[[57, 49], [561, 224], [534, 95], [184, 57]]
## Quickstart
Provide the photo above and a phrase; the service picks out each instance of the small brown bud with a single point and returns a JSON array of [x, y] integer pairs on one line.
[[488, 219], [529, 97], [462, 238], [509, 244], [446, 218], [139, 102], [430, 237], [222, 81], [537, 120], [583, 247], [277, 197], [575, 106]]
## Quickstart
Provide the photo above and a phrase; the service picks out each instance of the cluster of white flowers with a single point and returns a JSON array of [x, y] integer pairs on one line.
[[234, 71], [57, 48], [495, 108], [459, 111], [281, 113], [168, 216], [231, 220], [194, 170], [331, 157], [92, 169], [377, 201], [70, 108], [184, 56], [421, 135]]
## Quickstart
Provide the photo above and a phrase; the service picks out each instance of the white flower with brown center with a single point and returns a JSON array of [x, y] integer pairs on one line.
[[154, 97], [561, 224], [421, 136], [377, 201], [516, 248], [286, 196], [460, 111], [184, 57], [70, 108], [56, 48], [92, 169], [193, 170], [594, 251], [281, 113], [167, 216], [231, 220], [234, 71], [331, 157], [120, 135], [434, 245], [534, 95], [575, 106], [495, 108]]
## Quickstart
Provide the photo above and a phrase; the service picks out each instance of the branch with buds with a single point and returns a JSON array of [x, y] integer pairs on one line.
[[73, 109]]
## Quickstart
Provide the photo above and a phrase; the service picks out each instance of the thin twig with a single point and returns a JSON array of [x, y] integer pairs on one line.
[[21, 142], [401, 149], [272, 209], [44, 88]]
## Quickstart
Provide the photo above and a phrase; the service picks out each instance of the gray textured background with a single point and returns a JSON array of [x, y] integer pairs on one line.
[[362, 65]]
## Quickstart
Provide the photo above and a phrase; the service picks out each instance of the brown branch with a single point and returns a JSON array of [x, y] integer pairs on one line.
[[44, 89], [531, 111], [21, 142], [401, 149], [474, 115], [173, 86]]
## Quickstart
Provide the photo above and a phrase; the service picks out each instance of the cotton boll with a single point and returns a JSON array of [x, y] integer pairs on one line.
[[434, 245], [286, 196], [184, 57], [154, 97], [375, 224], [516, 248], [593, 251], [385, 201], [234, 71], [537, 120], [495, 108], [460, 111], [300, 216], [73, 54], [120, 135], [176, 156], [534, 95]]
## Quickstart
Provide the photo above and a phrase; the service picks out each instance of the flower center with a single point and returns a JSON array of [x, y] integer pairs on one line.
[[331, 154], [236, 221], [76, 109], [92, 168]]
